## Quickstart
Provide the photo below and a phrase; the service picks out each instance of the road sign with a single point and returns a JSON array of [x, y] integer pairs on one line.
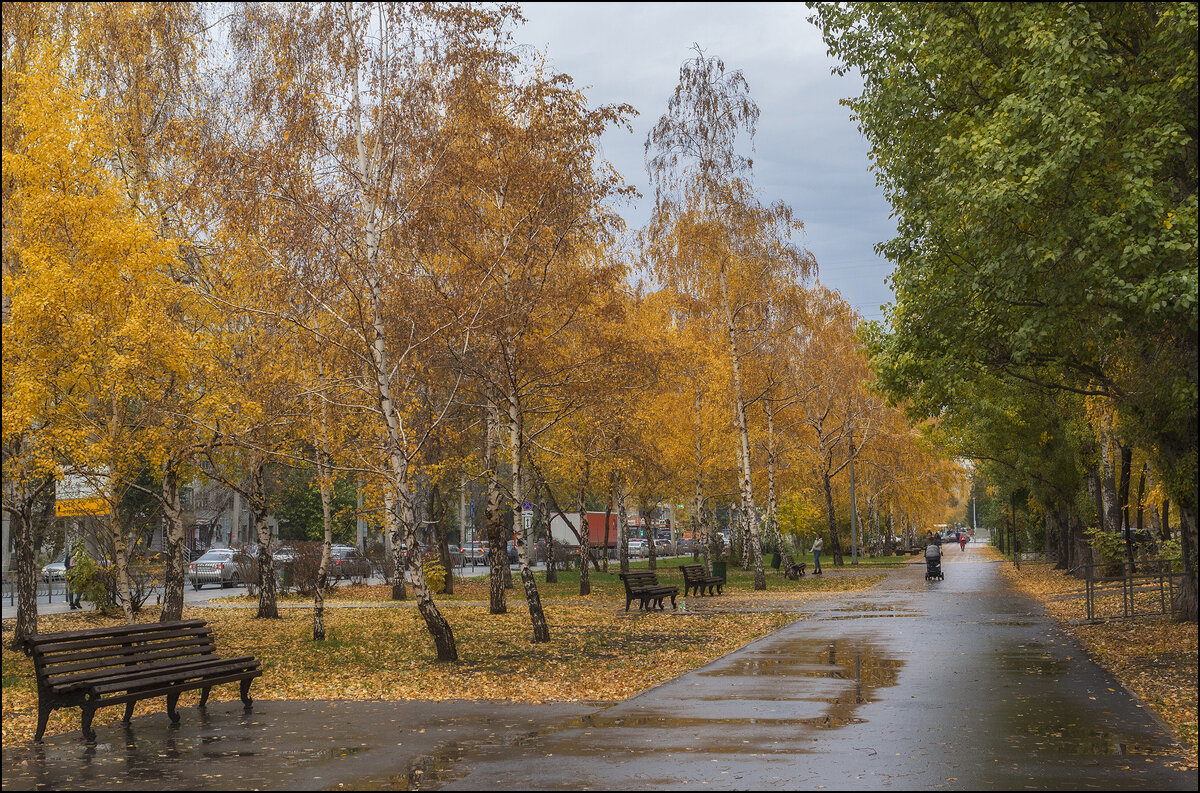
[[76, 494], [527, 506], [528, 516]]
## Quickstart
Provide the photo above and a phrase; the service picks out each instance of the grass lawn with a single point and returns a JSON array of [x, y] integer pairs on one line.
[[597, 652]]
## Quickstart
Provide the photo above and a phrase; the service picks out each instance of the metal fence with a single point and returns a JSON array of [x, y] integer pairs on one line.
[[1146, 589], [47, 592], [145, 580]]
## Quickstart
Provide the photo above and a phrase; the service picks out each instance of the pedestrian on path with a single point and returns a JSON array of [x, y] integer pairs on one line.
[[962, 542], [72, 591], [815, 550]]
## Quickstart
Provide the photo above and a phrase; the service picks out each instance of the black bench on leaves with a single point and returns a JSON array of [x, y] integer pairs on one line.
[[110, 666], [696, 580], [643, 585], [792, 571]]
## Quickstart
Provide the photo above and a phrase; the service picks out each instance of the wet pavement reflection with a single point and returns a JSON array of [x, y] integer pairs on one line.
[[957, 684]]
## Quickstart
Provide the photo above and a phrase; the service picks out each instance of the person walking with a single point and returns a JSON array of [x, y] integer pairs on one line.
[[962, 542], [73, 594], [815, 550]]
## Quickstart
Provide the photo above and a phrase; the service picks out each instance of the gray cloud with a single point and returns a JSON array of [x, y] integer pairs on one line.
[[808, 152]]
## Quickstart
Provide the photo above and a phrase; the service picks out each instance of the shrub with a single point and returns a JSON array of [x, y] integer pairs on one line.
[[301, 574], [435, 575], [98, 584]]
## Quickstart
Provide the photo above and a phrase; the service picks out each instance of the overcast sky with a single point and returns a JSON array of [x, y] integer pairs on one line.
[[807, 151]]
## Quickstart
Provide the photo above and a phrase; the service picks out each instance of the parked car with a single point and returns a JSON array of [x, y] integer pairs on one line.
[[663, 548], [346, 561], [216, 566], [284, 555], [476, 552], [638, 548], [456, 554], [56, 570]]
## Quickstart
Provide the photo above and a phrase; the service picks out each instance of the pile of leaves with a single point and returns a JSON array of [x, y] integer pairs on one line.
[[1154, 657]]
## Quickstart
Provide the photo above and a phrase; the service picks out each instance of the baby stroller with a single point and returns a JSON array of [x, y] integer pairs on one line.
[[933, 564]]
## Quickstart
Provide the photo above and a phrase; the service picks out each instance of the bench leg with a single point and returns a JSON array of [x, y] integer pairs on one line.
[[246, 699], [204, 696], [43, 717], [628, 600], [89, 710], [129, 711], [673, 606], [172, 701], [720, 587]]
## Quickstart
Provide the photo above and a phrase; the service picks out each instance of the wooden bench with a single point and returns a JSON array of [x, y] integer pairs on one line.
[[696, 580], [792, 571], [109, 666], [643, 585]]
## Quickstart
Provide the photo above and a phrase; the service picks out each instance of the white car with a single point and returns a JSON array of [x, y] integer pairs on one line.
[[56, 570], [216, 566], [638, 548]]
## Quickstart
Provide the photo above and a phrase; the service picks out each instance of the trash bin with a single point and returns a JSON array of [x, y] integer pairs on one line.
[[285, 577], [776, 560], [719, 569]]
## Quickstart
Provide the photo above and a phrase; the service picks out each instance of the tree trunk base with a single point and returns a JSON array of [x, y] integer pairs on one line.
[[541, 630]]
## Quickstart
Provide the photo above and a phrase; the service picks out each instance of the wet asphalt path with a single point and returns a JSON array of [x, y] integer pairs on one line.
[[956, 684], [910, 685]]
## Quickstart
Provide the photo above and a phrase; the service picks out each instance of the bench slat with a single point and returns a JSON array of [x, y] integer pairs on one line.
[[140, 694], [113, 651], [167, 677], [87, 677], [37, 641], [130, 659], [54, 650]]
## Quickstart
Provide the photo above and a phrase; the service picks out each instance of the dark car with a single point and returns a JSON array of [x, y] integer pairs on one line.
[[346, 561]]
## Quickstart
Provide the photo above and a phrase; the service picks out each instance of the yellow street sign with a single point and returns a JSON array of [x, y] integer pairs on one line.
[[80, 506]]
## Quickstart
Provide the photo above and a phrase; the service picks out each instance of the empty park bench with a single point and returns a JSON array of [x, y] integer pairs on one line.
[[643, 585], [696, 580], [109, 666], [792, 570]]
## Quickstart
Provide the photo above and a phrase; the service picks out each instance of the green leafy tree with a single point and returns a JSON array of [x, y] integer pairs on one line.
[[1041, 160]]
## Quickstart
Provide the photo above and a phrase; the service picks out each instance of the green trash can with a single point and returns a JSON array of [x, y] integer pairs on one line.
[[285, 577], [719, 569], [776, 560]]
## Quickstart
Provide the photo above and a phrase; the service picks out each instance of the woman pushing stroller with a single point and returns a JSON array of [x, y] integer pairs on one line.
[[933, 561]]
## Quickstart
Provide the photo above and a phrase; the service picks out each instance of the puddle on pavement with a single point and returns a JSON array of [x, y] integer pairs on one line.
[[856, 661], [1082, 739], [867, 616], [1032, 659]]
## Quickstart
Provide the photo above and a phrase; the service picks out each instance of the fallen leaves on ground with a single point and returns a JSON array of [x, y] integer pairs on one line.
[[597, 652], [1154, 657]]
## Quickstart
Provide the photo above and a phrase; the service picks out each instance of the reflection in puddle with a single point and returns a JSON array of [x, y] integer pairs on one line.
[[794, 669], [1082, 740]]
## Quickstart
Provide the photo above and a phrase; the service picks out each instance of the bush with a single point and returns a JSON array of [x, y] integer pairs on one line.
[[301, 574], [435, 575], [98, 584]]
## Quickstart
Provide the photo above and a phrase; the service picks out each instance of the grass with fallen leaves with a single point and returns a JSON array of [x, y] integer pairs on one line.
[[1154, 657], [597, 652]]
